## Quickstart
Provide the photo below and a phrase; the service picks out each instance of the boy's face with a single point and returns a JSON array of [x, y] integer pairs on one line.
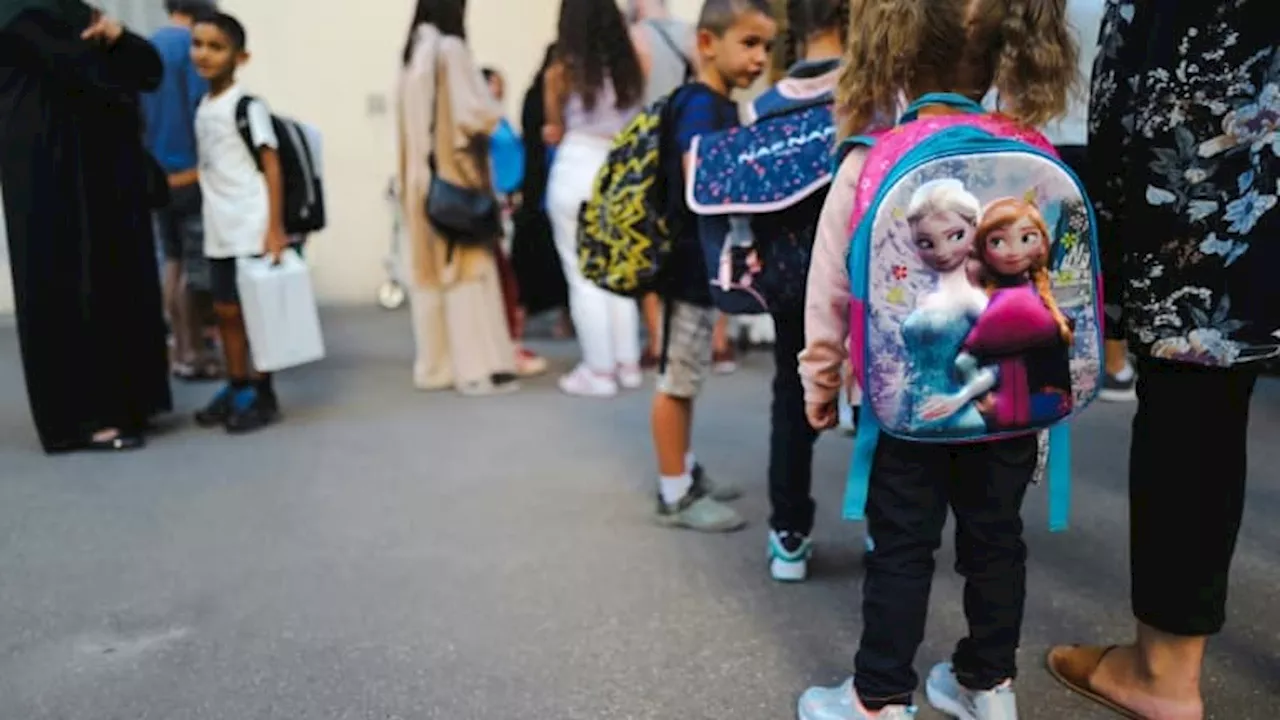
[[742, 53], [213, 54]]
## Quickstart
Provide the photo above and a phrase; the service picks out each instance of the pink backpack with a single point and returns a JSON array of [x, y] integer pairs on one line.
[[976, 309]]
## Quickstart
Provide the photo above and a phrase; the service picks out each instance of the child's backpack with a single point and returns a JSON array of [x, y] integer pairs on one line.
[[299, 170], [976, 307], [624, 228], [760, 190]]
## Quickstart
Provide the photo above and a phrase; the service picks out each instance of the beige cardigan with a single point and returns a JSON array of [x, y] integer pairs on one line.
[[442, 78]]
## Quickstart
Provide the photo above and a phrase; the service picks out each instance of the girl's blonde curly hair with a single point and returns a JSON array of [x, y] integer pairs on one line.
[[1022, 48]]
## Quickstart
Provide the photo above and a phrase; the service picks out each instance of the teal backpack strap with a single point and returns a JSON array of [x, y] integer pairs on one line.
[[1059, 472], [847, 146], [864, 454], [951, 100]]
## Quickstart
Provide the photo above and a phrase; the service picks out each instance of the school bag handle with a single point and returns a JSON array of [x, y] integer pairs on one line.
[[951, 100]]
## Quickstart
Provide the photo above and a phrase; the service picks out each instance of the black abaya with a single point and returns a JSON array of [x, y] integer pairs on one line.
[[533, 250], [81, 248]]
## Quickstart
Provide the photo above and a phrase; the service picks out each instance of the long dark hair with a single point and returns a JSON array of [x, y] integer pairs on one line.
[[595, 43], [806, 17], [448, 16]]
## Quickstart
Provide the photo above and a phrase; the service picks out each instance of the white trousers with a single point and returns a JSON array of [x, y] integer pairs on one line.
[[608, 325]]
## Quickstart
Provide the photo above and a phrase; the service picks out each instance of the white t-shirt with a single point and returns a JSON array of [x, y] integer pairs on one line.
[[234, 191]]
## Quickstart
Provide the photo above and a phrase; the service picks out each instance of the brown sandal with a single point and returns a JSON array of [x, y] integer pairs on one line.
[[1073, 665]]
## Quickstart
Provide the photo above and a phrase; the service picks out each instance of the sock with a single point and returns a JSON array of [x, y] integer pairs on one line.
[[690, 462], [674, 488], [1126, 374]]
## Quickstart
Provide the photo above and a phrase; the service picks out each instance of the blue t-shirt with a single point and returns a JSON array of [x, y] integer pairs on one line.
[[170, 111], [698, 110]]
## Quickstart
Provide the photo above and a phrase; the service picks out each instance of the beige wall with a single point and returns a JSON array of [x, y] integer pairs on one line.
[[327, 61], [332, 63]]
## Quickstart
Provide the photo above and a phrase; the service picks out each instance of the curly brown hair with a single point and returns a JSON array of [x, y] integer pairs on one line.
[[1022, 48], [594, 45]]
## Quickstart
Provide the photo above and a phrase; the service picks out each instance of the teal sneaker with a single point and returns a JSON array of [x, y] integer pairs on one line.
[[841, 703], [722, 491], [789, 554], [698, 511], [948, 696]]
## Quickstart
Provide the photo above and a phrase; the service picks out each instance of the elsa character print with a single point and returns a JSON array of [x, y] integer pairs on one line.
[[1022, 330], [943, 217]]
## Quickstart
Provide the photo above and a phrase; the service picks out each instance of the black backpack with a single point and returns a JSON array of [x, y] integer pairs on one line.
[[303, 189]]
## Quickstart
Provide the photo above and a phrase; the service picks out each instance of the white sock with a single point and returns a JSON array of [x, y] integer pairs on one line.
[[1126, 374], [690, 462], [674, 488]]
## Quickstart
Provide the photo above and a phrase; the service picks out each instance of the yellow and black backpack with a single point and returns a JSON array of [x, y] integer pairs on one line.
[[624, 228]]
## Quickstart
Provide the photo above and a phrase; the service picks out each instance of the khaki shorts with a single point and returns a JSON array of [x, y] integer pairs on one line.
[[688, 350]]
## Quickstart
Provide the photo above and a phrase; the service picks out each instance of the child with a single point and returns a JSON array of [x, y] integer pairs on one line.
[[816, 30], [1023, 48], [243, 210], [734, 40]]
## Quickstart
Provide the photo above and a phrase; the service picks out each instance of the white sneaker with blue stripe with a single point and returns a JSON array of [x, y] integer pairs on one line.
[[841, 703], [948, 696]]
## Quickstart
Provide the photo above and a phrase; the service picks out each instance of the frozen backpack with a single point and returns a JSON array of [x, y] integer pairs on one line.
[[976, 295], [758, 190]]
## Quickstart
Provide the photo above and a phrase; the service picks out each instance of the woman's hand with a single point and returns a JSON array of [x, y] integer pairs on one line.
[[103, 29], [822, 416]]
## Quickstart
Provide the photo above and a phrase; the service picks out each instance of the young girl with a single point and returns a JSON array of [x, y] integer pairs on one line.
[[1023, 49]]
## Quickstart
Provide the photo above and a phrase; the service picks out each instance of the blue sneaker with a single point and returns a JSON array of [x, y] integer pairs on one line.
[[789, 554], [841, 703], [218, 409], [948, 696]]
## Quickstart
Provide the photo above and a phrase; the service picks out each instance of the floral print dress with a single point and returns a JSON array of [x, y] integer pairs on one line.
[[1184, 170]]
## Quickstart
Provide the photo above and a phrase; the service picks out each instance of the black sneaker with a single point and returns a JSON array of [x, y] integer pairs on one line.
[[1120, 387], [250, 411], [218, 409]]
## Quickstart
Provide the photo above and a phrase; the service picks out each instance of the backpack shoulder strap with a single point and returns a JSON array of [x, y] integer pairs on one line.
[[242, 125]]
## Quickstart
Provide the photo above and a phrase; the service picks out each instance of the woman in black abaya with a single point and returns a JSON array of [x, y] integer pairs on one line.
[[80, 241]]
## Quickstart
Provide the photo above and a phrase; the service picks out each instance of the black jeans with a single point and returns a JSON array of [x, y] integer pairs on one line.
[[791, 438], [912, 484], [1187, 467]]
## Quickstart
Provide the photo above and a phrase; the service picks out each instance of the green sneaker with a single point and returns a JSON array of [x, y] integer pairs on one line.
[[698, 511], [724, 492]]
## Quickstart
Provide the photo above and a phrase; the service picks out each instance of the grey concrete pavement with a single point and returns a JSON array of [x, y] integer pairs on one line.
[[390, 554]]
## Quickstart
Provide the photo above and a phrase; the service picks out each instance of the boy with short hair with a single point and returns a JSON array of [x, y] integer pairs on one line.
[[243, 213], [734, 41]]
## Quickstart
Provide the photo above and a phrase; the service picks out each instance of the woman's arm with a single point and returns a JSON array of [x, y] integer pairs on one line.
[[826, 310], [554, 92], [135, 64], [475, 111], [103, 60]]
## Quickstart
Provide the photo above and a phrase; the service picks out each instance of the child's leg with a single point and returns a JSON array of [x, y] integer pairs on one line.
[[990, 483], [906, 511], [791, 436], [685, 492], [651, 307]]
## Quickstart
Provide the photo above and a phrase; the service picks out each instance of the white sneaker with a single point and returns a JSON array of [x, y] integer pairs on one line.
[[841, 703], [789, 555], [630, 377], [948, 696], [583, 382]]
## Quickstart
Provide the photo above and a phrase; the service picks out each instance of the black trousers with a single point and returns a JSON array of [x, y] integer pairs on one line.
[[912, 485], [791, 438], [1187, 467]]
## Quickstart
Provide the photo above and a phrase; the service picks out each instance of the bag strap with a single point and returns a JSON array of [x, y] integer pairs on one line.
[[246, 132], [670, 43], [951, 100], [811, 103]]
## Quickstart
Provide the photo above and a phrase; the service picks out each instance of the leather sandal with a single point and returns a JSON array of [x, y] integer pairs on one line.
[[1074, 665]]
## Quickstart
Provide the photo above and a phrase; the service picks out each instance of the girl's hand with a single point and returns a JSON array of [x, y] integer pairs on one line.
[[940, 407], [552, 134], [822, 416], [104, 29]]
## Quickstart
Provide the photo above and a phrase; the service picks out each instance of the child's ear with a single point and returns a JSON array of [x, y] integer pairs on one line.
[[708, 43], [242, 57]]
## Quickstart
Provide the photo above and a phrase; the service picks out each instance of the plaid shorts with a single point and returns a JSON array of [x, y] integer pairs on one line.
[[688, 350]]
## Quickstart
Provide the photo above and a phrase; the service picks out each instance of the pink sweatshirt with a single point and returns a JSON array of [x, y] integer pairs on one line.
[[826, 310]]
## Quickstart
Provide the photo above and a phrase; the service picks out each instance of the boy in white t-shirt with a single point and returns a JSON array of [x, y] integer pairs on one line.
[[243, 208]]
